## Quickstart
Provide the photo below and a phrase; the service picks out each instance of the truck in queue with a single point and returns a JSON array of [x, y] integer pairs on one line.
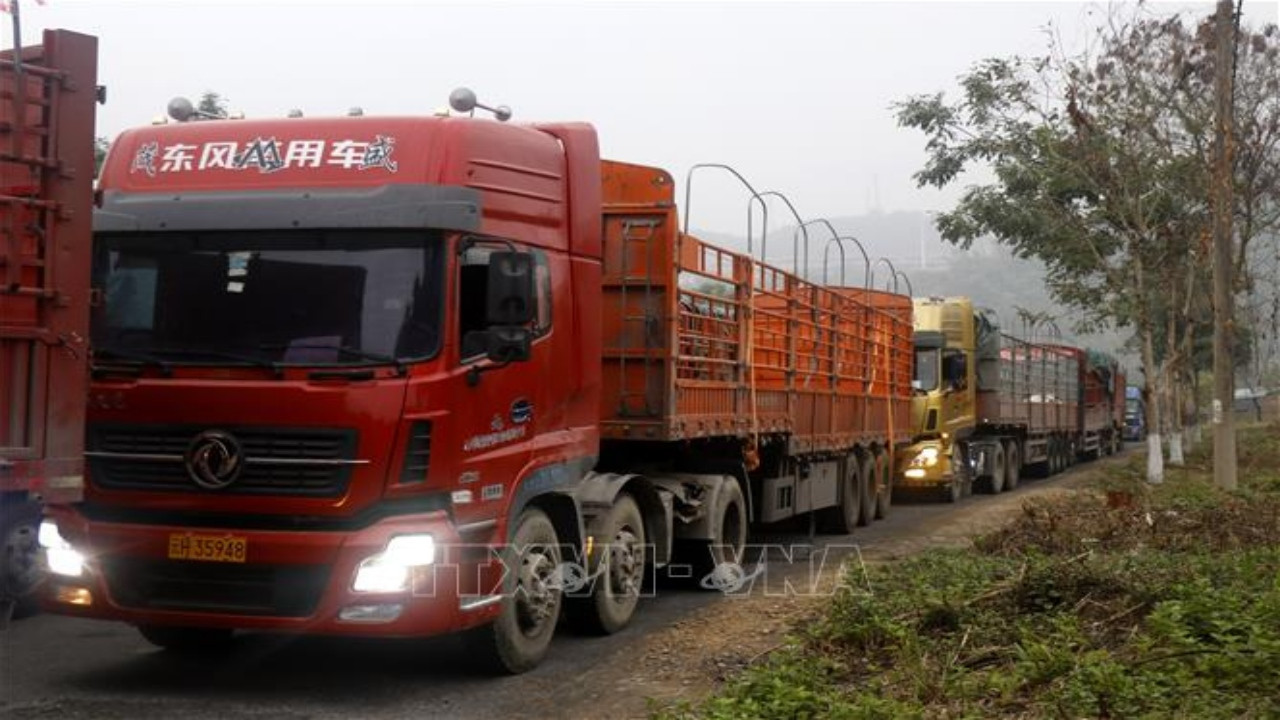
[[1102, 404], [988, 407], [47, 98], [405, 376], [1135, 414]]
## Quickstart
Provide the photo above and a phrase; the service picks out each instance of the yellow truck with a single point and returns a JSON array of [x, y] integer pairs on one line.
[[988, 406]]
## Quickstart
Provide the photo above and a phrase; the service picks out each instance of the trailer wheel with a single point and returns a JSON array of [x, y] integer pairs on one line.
[[841, 519], [188, 640], [21, 574], [518, 639], [867, 490], [884, 484], [621, 540], [1012, 465], [994, 483], [729, 531]]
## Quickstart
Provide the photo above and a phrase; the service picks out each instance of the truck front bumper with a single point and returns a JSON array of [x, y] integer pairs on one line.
[[916, 473], [285, 581]]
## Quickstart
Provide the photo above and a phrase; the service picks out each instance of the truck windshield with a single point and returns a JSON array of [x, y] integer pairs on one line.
[[303, 297], [926, 370]]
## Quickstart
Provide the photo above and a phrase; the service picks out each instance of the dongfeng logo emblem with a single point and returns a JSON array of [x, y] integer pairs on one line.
[[214, 459]]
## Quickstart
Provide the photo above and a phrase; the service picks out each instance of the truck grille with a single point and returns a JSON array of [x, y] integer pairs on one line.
[[307, 462], [271, 590]]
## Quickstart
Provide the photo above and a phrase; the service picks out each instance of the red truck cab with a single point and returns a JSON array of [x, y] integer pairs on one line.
[[300, 397]]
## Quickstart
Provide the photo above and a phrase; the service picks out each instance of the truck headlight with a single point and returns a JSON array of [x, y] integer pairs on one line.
[[61, 558], [390, 570], [927, 457]]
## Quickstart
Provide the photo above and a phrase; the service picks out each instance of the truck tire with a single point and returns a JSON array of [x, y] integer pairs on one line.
[[1012, 465], [954, 491], [518, 639], [729, 528], [994, 483], [867, 487], [884, 484], [188, 640], [620, 537], [841, 519], [21, 575]]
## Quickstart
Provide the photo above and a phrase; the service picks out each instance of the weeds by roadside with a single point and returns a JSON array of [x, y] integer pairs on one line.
[[1163, 603]]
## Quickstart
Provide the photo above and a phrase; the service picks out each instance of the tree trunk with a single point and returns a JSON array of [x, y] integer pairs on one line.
[[1175, 449], [1170, 378], [1195, 408], [1155, 456], [1224, 431], [1186, 381]]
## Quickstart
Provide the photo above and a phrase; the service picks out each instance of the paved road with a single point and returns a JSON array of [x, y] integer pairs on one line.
[[55, 667]]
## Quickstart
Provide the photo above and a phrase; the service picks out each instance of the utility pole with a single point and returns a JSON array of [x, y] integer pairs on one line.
[[1224, 430]]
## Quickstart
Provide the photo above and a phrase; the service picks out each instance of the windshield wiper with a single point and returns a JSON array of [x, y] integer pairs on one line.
[[154, 356], [264, 363], [341, 350], [133, 356]]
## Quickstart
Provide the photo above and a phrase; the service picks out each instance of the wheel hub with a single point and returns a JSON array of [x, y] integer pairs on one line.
[[625, 560], [535, 596], [21, 569]]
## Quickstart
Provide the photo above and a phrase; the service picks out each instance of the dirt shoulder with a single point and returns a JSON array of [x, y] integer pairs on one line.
[[690, 658]]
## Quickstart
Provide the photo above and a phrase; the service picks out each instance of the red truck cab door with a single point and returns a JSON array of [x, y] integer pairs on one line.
[[497, 407]]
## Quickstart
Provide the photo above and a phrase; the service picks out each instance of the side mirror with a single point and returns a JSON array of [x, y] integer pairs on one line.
[[503, 344], [511, 289], [507, 344]]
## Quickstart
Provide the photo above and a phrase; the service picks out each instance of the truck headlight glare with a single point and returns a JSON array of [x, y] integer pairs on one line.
[[61, 558], [377, 576], [928, 457], [411, 550], [390, 570]]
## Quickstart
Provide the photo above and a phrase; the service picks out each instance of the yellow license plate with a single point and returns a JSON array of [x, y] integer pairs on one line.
[[208, 548]]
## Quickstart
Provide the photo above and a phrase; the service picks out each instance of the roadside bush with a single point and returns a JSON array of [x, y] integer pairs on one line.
[[1165, 606]]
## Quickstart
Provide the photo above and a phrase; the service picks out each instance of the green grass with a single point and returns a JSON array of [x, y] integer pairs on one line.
[[1165, 607]]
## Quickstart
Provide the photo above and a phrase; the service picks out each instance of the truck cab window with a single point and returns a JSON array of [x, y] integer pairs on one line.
[[473, 293], [955, 370], [297, 297], [926, 369]]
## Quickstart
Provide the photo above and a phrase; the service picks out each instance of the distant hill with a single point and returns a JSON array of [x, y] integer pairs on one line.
[[988, 272], [907, 238]]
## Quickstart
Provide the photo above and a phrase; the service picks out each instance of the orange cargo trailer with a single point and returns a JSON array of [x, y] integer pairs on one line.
[[705, 344], [47, 97]]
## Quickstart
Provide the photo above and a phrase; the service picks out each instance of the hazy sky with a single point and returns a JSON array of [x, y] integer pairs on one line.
[[795, 95]]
